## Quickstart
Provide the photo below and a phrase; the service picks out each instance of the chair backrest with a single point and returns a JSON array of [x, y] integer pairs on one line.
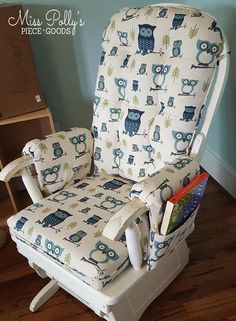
[[156, 68]]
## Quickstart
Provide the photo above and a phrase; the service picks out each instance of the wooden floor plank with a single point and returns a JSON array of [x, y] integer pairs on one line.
[[204, 291]]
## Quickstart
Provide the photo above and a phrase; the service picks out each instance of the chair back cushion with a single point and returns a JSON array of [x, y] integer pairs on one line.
[[155, 70]]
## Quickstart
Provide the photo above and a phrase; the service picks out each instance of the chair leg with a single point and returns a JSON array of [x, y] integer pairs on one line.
[[43, 295], [38, 270]]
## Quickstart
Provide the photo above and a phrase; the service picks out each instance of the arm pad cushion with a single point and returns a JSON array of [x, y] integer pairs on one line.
[[61, 158]]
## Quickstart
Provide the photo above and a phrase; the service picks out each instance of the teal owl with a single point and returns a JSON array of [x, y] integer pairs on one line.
[[182, 141], [53, 249], [121, 84], [207, 52], [159, 75], [79, 143]]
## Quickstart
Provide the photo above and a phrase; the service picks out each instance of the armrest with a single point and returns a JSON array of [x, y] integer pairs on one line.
[[154, 191], [14, 167], [123, 218], [61, 158]]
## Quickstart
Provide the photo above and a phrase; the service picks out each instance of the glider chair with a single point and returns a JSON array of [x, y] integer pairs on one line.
[[99, 196]]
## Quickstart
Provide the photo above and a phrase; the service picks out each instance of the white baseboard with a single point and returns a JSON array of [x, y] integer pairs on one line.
[[219, 170]]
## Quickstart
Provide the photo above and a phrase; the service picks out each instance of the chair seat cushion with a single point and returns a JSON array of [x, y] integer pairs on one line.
[[67, 227]]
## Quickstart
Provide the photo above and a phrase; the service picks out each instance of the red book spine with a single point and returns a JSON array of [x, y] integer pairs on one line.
[[185, 190]]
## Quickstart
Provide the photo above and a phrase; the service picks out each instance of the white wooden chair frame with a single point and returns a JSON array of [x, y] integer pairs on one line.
[[126, 297]]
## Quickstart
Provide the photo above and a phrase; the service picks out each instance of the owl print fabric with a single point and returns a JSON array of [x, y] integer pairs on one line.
[[156, 190], [67, 227], [155, 71], [61, 158]]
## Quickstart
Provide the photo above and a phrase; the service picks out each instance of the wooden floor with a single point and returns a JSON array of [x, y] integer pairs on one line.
[[205, 291]]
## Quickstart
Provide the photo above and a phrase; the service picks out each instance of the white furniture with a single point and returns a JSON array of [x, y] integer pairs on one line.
[[130, 293]]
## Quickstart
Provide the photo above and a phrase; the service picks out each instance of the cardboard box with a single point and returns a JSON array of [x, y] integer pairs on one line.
[[20, 90]]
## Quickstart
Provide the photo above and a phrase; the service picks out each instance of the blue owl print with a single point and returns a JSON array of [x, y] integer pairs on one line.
[[85, 210], [123, 37], [133, 122], [55, 219], [95, 132], [146, 40], [96, 104], [62, 196], [131, 13], [53, 249], [142, 70], [162, 13], [161, 248], [115, 114], [156, 134], [125, 62], [135, 85], [51, 175], [20, 223], [131, 160], [188, 86], [181, 141], [76, 169], [118, 155], [113, 184], [149, 101], [159, 76], [97, 154], [93, 220], [135, 148], [142, 173], [150, 151], [104, 127], [101, 83], [110, 203], [113, 51], [161, 111], [180, 163], [199, 117], [186, 180], [79, 143], [188, 113], [76, 238], [166, 191], [34, 207], [38, 240], [98, 195], [57, 150], [178, 21], [207, 52], [102, 58], [170, 102], [214, 27], [121, 86], [101, 254], [176, 50]]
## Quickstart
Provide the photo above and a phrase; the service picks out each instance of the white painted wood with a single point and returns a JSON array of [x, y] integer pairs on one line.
[[31, 186], [46, 293], [38, 270], [217, 87], [126, 297], [14, 167], [134, 246], [197, 145]]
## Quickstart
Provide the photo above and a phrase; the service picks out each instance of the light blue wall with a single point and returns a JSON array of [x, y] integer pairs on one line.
[[67, 66]]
